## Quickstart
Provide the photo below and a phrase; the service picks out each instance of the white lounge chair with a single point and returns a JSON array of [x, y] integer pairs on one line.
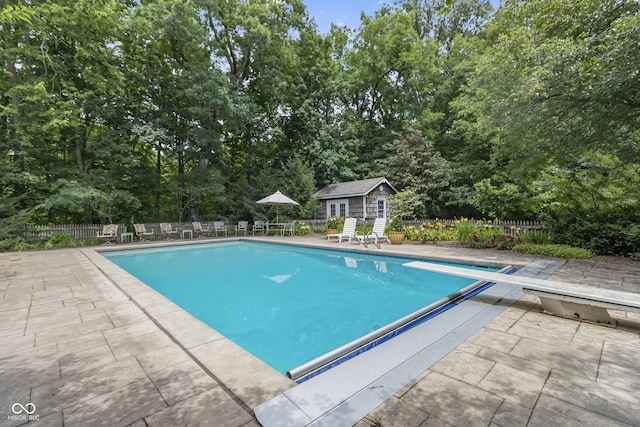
[[109, 232], [348, 231], [167, 229], [219, 227], [242, 227], [141, 231], [377, 234], [198, 228]]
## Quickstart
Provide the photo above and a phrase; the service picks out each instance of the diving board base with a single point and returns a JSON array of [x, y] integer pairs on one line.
[[559, 306]]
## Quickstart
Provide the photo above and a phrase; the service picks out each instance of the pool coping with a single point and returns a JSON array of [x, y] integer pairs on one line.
[[247, 379]]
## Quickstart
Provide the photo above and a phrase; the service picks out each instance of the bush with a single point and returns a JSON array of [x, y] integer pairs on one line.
[[64, 240], [492, 238], [465, 231], [560, 251], [613, 230], [302, 229], [396, 224], [333, 223], [535, 237]]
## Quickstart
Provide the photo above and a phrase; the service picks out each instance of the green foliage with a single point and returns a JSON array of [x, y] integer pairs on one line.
[[12, 13], [560, 251], [535, 237], [405, 204], [63, 240], [333, 223], [396, 224], [413, 164], [611, 230], [429, 233], [465, 230], [303, 229], [492, 238], [364, 229]]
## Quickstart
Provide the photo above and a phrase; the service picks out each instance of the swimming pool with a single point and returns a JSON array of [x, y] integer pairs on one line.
[[287, 304]]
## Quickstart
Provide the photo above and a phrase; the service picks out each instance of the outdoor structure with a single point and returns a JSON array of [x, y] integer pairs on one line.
[[365, 199]]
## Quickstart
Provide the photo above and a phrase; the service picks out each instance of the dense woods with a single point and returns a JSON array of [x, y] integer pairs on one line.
[[172, 110]]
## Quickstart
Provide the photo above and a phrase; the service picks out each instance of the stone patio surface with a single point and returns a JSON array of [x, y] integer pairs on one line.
[[84, 343]]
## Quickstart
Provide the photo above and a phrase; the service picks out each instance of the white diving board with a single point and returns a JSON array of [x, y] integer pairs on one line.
[[559, 298]]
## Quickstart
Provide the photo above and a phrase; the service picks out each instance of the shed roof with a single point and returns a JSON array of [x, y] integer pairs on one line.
[[351, 188]]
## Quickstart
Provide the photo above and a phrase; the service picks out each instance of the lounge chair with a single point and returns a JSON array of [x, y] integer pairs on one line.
[[198, 228], [109, 232], [167, 229], [141, 231], [348, 231], [260, 226], [242, 227], [219, 227], [377, 234]]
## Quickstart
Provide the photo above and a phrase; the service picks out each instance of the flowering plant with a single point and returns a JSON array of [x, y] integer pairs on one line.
[[302, 228], [333, 223], [397, 224]]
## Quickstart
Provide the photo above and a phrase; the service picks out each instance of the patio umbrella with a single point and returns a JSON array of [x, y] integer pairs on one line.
[[277, 199]]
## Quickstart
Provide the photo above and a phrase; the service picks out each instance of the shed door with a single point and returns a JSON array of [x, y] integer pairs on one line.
[[338, 207], [382, 208]]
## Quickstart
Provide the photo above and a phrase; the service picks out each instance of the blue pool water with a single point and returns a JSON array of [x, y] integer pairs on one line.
[[285, 304]]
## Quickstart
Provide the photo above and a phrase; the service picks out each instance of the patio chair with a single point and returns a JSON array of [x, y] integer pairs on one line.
[[260, 226], [198, 228], [219, 227], [348, 231], [168, 230], [242, 227], [288, 228], [377, 234], [141, 231], [109, 233]]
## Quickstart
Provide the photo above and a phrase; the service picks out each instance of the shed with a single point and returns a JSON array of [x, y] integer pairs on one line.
[[365, 199]]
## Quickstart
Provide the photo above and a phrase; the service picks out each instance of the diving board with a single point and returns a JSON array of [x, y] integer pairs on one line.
[[559, 298]]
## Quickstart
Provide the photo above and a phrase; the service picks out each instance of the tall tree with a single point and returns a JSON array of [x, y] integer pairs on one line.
[[556, 87]]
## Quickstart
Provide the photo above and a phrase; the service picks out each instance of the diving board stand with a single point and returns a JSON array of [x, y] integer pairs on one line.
[[558, 298]]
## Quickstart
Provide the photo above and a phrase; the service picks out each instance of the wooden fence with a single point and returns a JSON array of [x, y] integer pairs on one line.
[[89, 231]]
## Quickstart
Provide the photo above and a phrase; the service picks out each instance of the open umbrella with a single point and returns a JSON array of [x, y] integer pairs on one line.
[[277, 199]]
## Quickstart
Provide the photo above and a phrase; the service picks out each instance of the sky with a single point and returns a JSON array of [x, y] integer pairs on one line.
[[345, 12]]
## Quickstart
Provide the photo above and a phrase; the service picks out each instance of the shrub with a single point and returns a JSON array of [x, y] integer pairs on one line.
[[560, 251], [535, 237], [365, 228], [302, 229], [64, 240], [612, 230], [333, 223], [396, 224], [465, 231]]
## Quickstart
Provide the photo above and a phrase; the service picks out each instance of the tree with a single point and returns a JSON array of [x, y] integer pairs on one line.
[[413, 163]]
